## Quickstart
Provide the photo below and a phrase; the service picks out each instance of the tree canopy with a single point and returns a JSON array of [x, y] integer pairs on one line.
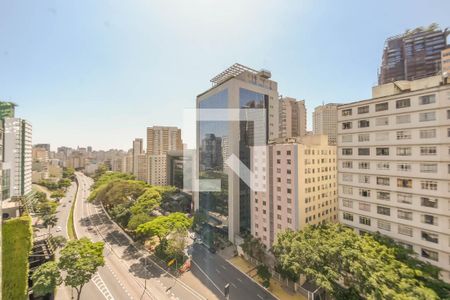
[[46, 278], [331, 254], [162, 226], [80, 260]]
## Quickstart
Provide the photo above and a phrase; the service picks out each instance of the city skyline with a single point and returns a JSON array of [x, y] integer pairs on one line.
[[89, 61]]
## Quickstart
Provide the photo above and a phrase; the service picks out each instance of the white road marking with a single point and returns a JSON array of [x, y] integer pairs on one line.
[[100, 284], [217, 270], [240, 280], [223, 267], [234, 285], [259, 296]]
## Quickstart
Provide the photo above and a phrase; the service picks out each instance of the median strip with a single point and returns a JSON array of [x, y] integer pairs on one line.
[[70, 226]]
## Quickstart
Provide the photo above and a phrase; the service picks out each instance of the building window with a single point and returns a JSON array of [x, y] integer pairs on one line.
[[363, 151], [347, 216], [381, 106], [384, 225], [427, 116], [404, 183], [403, 103], [347, 112], [428, 133], [404, 167], [363, 137], [364, 192], [429, 219], [403, 119], [347, 190], [428, 168], [347, 151], [347, 125], [382, 121], [347, 177], [383, 210], [363, 109], [383, 195], [405, 215], [404, 198], [405, 230], [383, 165], [428, 185], [363, 123], [348, 138], [428, 150], [403, 135], [448, 113], [347, 164], [364, 179], [428, 99], [347, 203], [429, 254], [403, 151], [364, 220], [364, 165], [382, 136], [383, 151], [383, 180], [428, 202]]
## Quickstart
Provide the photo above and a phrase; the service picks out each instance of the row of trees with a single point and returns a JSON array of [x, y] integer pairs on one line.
[[78, 262], [349, 266], [140, 208]]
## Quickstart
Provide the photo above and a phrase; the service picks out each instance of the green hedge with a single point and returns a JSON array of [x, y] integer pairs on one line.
[[17, 243]]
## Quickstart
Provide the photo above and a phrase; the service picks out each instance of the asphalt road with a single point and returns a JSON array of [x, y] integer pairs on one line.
[[214, 271], [128, 273]]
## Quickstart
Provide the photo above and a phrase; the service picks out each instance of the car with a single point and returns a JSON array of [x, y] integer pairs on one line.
[[90, 228], [58, 229], [64, 205]]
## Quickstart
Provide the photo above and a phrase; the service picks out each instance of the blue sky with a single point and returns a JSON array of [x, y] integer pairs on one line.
[[99, 72]]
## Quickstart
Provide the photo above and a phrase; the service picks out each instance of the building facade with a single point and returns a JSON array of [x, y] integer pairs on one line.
[[413, 55], [292, 117], [295, 185], [18, 155], [238, 87], [394, 166], [138, 145], [161, 140], [445, 61], [325, 121]]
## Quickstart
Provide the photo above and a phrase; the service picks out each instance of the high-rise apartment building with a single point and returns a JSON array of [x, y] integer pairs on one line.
[[394, 166], [292, 117], [7, 110], [160, 140], [413, 55], [137, 150], [325, 121], [18, 155], [297, 178], [238, 87], [142, 167]]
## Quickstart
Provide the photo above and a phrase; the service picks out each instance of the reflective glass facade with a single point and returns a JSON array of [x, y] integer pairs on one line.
[[213, 137]]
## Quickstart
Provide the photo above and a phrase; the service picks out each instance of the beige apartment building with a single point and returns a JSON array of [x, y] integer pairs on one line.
[[138, 145], [160, 140], [325, 121], [295, 185], [394, 166], [292, 117], [142, 167]]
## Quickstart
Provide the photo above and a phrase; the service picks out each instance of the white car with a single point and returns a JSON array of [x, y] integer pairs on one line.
[[58, 229]]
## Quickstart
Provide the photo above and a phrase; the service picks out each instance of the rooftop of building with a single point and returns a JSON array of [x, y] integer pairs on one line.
[[310, 140], [401, 87]]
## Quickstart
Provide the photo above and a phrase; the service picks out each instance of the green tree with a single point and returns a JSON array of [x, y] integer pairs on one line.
[[46, 278], [80, 259], [147, 202], [57, 241], [121, 214], [331, 254], [162, 226], [49, 221], [121, 192], [64, 183], [69, 173], [57, 195], [264, 273], [46, 208], [137, 220]]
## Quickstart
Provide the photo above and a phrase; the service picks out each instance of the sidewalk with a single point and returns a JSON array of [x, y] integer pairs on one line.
[[275, 286]]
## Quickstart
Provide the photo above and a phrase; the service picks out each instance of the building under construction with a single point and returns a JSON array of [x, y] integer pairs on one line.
[[413, 55]]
